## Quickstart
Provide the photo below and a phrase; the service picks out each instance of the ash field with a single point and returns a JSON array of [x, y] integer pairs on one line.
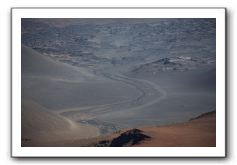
[[86, 78]]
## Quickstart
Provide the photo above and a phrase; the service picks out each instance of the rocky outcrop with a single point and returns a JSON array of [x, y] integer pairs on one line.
[[128, 138]]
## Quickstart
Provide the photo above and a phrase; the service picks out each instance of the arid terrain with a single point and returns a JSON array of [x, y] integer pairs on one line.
[[198, 132], [86, 79]]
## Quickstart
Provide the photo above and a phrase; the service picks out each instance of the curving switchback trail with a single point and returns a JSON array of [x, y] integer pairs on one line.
[[149, 94]]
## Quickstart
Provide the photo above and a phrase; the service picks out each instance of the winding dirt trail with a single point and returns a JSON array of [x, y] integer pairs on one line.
[[149, 94]]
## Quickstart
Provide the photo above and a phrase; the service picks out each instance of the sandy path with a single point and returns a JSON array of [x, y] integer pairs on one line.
[[150, 93], [154, 87]]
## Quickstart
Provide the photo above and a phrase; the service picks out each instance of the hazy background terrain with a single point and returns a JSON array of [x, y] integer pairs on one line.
[[109, 74]]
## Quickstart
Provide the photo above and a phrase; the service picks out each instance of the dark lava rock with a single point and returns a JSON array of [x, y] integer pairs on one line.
[[128, 138]]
